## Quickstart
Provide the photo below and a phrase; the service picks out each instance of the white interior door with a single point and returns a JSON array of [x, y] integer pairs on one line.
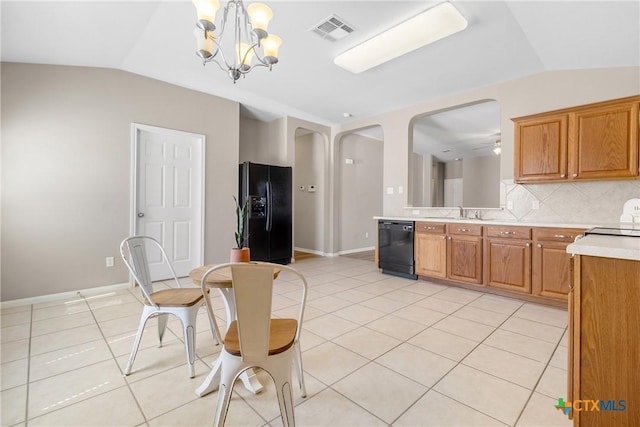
[[168, 202]]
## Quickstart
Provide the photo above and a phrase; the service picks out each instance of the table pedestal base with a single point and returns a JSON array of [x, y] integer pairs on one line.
[[212, 382]]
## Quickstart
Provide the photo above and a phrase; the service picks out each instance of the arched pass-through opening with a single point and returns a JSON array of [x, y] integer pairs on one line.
[[455, 158], [359, 188], [311, 189]]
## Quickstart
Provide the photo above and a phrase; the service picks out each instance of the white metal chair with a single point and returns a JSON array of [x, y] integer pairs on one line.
[[255, 339], [181, 302]]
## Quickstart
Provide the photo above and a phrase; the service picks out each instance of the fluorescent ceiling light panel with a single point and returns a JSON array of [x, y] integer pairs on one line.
[[431, 25]]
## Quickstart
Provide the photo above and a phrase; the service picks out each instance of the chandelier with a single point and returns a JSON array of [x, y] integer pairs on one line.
[[252, 45]]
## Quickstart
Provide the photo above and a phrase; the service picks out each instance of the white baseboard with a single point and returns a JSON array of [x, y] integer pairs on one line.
[[335, 254], [64, 295], [353, 251]]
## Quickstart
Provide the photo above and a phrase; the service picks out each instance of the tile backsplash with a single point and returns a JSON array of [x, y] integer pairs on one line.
[[586, 203]]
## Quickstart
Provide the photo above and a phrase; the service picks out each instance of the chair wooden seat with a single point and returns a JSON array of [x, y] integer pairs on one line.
[[181, 297], [282, 334]]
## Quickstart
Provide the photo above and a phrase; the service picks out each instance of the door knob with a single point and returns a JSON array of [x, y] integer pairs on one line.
[[140, 214]]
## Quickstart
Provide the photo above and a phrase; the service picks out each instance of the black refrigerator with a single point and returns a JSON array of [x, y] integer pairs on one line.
[[269, 229]]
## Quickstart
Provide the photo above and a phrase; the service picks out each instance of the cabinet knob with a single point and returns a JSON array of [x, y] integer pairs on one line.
[[539, 245], [443, 237], [562, 175], [528, 245], [431, 228], [449, 237], [575, 175], [561, 236], [464, 230], [507, 232]]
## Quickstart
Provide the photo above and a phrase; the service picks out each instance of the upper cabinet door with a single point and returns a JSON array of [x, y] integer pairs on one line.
[[541, 148], [590, 142], [603, 142]]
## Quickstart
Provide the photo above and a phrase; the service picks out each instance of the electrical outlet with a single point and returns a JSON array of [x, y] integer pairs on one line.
[[366, 235], [509, 204], [400, 189], [535, 204], [109, 261]]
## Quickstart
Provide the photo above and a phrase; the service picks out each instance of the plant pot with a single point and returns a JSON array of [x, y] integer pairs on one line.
[[239, 255]]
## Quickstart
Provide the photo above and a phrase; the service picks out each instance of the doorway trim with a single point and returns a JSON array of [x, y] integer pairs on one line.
[[133, 189]]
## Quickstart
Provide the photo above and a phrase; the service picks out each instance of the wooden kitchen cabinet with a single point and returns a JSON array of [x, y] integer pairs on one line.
[[508, 258], [550, 274], [541, 148], [591, 142], [604, 341], [431, 249], [464, 253]]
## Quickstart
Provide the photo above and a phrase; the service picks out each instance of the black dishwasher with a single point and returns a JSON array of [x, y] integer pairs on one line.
[[395, 248]]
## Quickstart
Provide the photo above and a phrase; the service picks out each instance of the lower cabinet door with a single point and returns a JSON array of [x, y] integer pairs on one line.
[[508, 264], [464, 259], [431, 255], [551, 270]]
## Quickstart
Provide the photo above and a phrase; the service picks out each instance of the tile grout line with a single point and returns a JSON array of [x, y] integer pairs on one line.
[[454, 366], [460, 363], [127, 384], [533, 390], [26, 406], [495, 328]]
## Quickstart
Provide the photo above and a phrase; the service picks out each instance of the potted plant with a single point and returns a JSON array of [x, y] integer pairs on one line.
[[241, 252]]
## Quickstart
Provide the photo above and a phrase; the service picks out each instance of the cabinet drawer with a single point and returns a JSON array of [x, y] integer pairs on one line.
[[557, 234], [509, 232], [430, 227], [465, 229]]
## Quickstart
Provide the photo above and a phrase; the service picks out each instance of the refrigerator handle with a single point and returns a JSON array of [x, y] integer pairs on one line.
[[269, 206]]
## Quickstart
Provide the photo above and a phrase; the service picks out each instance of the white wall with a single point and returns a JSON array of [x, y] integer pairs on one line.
[[66, 150], [309, 206], [263, 142], [481, 181], [528, 95], [360, 189]]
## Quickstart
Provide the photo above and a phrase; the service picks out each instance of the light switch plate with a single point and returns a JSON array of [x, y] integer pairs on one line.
[[400, 189], [535, 205], [389, 190], [509, 204]]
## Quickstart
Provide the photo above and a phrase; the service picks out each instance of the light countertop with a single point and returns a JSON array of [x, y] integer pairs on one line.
[[621, 247], [485, 221]]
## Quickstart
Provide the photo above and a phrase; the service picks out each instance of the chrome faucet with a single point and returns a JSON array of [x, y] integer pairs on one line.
[[461, 211]]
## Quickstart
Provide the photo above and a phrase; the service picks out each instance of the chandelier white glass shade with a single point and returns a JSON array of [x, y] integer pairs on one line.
[[252, 45]]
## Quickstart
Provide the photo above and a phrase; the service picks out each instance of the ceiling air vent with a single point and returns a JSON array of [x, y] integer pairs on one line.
[[333, 28]]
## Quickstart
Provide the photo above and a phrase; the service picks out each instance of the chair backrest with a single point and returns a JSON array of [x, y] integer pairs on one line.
[[253, 293], [134, 254]]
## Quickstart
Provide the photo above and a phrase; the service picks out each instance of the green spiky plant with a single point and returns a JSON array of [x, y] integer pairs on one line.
[[241, 222]]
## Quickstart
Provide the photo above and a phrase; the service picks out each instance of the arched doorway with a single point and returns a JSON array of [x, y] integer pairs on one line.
[[310, 191], [359, 189]]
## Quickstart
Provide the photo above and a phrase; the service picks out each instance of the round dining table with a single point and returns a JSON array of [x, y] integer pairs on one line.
[[222, 280]]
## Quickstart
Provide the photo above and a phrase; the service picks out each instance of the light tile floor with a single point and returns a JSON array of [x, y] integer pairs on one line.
[[377, 350]]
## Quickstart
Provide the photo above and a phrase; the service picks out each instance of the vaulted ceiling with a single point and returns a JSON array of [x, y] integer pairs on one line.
[[504, 40]]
